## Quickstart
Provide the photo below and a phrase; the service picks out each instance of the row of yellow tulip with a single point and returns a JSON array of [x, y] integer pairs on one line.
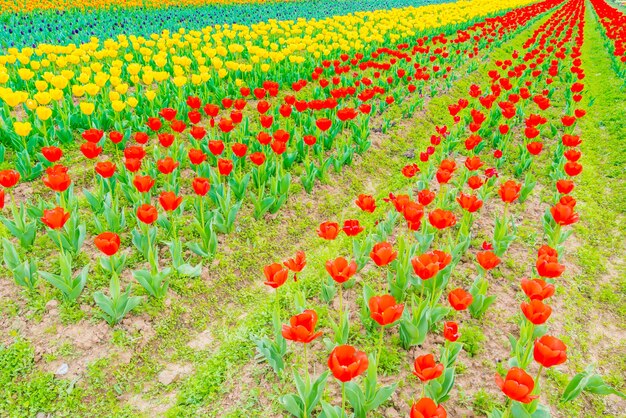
[[119, 73]]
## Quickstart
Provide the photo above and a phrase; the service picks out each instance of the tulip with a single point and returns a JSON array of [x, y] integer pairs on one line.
[[425, 368], [340, 269], [55, 218], [470, 203], [9, 178], [105, 169], [169, 201], [275, 275], [383, 254], [166, 165], [487, 259], [537, 289], [201, 186], [346, 362], [510, 191], [366, 203], [52, 154], [108, 243], [147, 214], [536, 311], [302, 327], [296, 264], [460, 299], [143, 184], [548, 263], [426, 265], [427, 408], [517, 385], [451, 331], [385, 310], [328, 230], [352, 227], [549, 351]]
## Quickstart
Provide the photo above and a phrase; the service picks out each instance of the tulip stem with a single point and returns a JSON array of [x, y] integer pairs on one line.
[[380, 345], [306, 373], [538, 376], [340, 303], [343, 397]]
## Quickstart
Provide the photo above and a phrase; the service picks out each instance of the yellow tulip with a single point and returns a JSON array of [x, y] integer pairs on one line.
[[31, 104], [118, 105], [150, 95], [22, 128], [43, 98], [43, 113], [132, 102], [87, 108]]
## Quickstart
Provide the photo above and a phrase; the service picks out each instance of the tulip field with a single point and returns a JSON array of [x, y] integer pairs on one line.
[[313, 208]]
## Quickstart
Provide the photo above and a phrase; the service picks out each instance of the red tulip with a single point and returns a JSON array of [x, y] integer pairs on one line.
[[169, 201], [168, 114], [134, 152], [385, 310], [154, 124], [116, 137], [537, 289], [108, 243], [351, 227], [425, 368], [383, 254], [460, 299], [216, 147], [564, 186], [258, 158], [470, 203], [441, 219], [105, 169], [323, 124], [549, 351], [487, 259], [1, 199], [328, 230], [425, 197], [340, 269], [275, 275], [346, 362], [147, 214], [224, 166], [197, 132], [517, 385], [426, 265], [239, 149], [52, 154], [366, 203], [55, 218], [427, 408], [548, 263], [167, 165], [302, 327], [536, 311], [93, 135], [143, 184], [9, 178], [57, 179], [196, 156], [90, 150], [296, 264], [201, 186], [473, 163], [451, 331], [564, 214], [166, 140], [510, 191]]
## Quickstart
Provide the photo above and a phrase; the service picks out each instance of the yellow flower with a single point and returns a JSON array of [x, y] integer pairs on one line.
[[87, 108], [180, 81], [25, 74], [78, 91], [43, 113], [43, 98], [22, 128], [118, 105], [41, 85], [59, 82], [132, 102], [31, 104]]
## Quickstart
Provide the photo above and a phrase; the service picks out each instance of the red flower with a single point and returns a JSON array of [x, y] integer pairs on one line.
[[194, 116], [108, 243], [534, 147], [194, 102], [323, 124], [346, 362], [168, 114], [278, 147], [451, 331], [473, 163], [328, 230], [1, 199], [426, 265], [57, 178], [154, 124], [509, 191], [9, 178], [470, 203], [487, 259], [352, 228], [383, 254], [564, 214], [275, 275], [340, 269], [427, 408], [310, 140], [425, 197], [441, 219], [166, 140], [134, 152], [385, 310], [571, 140], [366, 202], [460, 299], [167, 165], [52, 154], [116, 137], [211, 110], [239, 149], [147, 214], [475, 182], [296, 264], [410, 170], [197, 132], [90, 150], [216, 147], [257, 158], [564, 186], [106, 169], [143, 184], [224, 166], [426, 368], [55, 218], [548, 263], [226, 125], [517, 385], [549, 351], [169, 201], [537, 289], [302, 327], [572, 168], [201, 186], [196, 156], [536, 311], [93, 135]]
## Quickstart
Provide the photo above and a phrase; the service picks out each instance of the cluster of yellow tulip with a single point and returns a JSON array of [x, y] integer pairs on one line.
[[16, 6], [120, 74]]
